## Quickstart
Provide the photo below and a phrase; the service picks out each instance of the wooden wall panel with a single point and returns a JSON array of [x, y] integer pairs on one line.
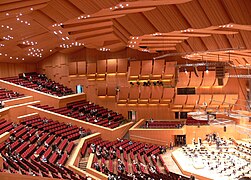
[[72, 68], [122, 66], [91, 68], [81, 67], [111, 65], [101, 66], [13, 69]]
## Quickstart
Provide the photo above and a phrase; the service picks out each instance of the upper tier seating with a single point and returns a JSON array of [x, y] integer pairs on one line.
[[89, 112], [126, 159], [41, 83], [6, 94], [40, 147]]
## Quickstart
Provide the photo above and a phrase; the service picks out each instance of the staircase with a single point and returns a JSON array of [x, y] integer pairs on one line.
[[83, 163]]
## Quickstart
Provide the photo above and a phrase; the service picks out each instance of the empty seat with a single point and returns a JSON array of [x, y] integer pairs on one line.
[[145, 93], [156, 94], [205, 99], [192, 100], [158, 69], [167, 97], [123, 95], [217, 99], [146, 69], [169, 71], [183, 79], [135, 67], [179, 101], [229, 101], [195, 81], [208, 78], [133, 94]]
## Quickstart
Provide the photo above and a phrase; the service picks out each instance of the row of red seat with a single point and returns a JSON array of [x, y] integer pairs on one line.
[[41, 83], [101, 116], [6, 94]]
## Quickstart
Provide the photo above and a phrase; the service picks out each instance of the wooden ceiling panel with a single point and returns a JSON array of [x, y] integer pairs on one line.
[[160, 25], [121, 29], [106, 3], [8, 1], [142, 23], [43, 19], [215, 12], [222, 41], [172, 14], [7, 7], [210, 43], [194, 14], [66, 8], [86, 6], [236, 41], [239, 11], [196, 44], [130, 26], [246, 36], [54, 14], [158, 21]]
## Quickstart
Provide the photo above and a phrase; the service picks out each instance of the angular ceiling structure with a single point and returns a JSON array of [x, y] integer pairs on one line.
[[197, 29]]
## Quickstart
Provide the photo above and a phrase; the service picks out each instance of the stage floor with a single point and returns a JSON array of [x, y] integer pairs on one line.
[[217, 166]]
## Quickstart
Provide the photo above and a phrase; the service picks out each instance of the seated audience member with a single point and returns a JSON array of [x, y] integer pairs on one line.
[[1, 104]]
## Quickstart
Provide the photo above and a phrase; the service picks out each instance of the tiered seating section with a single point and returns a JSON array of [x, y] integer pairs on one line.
[[89, 112], [5, 126], [41, 83], [163, 124], [40, 147], [6, 94], [128, 159]]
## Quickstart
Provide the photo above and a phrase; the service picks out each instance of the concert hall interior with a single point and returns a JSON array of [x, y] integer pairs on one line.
[[125, 89]]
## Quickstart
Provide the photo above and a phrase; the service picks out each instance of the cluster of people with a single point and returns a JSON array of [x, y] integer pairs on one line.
[[43, 82]]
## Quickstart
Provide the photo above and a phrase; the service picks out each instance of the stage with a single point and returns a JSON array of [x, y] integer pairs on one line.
[[209, 163]]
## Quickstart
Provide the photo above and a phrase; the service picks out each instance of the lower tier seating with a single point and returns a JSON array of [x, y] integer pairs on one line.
[[36, 148], [125, 159]]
